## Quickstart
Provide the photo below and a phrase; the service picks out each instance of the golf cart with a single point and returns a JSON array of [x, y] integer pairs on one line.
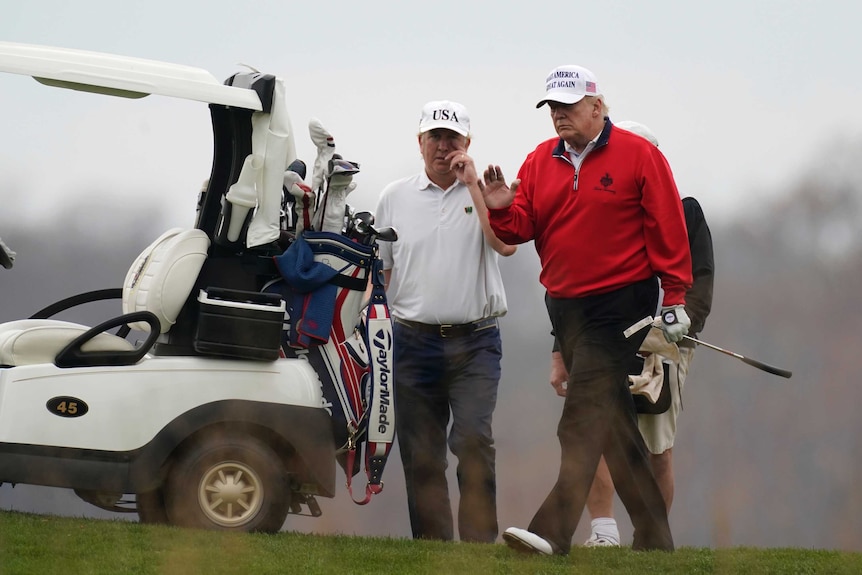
[[199, 404]]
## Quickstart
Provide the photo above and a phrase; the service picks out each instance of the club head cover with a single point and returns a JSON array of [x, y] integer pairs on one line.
[[325, 144]]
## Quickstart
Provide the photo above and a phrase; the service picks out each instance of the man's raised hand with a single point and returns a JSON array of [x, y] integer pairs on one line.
[[496, 193]]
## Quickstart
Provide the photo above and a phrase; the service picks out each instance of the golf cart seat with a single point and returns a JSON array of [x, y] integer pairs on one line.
[[155, 289]]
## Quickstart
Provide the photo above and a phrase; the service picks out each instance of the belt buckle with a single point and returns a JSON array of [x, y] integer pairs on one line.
[[443, 328]]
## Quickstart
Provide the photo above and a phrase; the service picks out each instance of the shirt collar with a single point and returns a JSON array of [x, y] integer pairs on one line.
[[426, 183], [590, 145], [562, 148]]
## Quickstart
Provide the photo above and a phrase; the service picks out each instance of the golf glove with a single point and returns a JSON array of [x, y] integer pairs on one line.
[[674, 322]]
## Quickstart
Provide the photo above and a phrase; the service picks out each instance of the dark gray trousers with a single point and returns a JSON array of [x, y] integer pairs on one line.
[[599, 417]]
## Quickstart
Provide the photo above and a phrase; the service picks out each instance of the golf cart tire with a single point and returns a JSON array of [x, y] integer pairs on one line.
[[228, 482], [151, 507]]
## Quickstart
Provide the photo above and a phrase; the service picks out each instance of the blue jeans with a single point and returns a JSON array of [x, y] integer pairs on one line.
[[433, 377]]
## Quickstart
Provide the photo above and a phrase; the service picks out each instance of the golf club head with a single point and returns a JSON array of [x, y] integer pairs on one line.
[[361, 231], [339, 166], [366, 218], [7, 256], [387, 234], [361, 227], [298, 166]]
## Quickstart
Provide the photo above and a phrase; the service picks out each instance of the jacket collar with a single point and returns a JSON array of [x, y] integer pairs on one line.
[[602, 140]]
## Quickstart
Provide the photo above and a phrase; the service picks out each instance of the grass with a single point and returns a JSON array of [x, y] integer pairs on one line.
[[45, 545]]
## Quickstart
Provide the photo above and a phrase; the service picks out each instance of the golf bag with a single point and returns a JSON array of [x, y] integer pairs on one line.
[[324, 281]]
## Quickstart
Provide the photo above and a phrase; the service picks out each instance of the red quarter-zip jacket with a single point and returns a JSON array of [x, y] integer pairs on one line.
[[618, 220]]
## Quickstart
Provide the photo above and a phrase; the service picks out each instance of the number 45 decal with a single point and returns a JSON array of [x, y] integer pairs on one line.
[[67, 406]]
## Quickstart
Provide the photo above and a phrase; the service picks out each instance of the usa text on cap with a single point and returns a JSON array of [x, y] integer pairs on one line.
[[445, 114]]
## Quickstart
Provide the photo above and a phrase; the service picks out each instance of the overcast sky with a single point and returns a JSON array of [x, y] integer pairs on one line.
[[741, 93], [744, 96]]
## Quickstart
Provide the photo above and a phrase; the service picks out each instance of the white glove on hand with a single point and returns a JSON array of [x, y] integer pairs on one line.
[[674, 322]]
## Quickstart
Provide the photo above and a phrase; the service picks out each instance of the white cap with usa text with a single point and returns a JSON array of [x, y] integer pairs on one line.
[[445, 114]]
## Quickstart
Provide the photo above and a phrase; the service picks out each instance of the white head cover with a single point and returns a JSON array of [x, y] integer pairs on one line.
[[639, 129]]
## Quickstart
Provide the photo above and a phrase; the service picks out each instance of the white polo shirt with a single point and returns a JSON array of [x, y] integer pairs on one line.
[[442, 269]]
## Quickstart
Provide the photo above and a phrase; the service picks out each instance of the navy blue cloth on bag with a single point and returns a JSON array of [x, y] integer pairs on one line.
[[312, 306]]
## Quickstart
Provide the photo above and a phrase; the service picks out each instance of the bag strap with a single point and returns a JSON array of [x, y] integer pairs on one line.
[[380, 432]]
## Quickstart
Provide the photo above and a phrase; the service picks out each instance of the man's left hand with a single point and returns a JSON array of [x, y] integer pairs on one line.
[[559, 376], [674, 322]]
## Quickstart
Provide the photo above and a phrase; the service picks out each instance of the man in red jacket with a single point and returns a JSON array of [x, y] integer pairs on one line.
[[603, 209], [658, 430]]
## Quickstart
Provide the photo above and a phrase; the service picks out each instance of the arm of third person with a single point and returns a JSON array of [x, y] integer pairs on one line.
[[465, 170]]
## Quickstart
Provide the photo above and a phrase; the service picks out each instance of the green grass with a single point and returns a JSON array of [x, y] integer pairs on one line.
[[45, 545]]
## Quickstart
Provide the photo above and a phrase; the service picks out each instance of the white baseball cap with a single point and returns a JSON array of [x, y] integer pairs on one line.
[[639, 129], [568, 85], [445, 114]]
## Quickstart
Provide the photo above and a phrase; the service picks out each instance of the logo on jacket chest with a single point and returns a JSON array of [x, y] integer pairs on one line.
[[606, 182]]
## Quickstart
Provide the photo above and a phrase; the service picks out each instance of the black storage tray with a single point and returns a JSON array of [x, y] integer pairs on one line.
[[241, 324]]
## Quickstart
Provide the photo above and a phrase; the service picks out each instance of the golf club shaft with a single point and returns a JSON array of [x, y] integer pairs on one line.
[[752, 362]]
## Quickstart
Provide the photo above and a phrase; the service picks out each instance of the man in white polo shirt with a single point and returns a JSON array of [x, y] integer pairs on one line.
[[445, 294]]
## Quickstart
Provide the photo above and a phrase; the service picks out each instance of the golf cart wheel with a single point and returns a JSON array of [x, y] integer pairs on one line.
[[151, 507], [234, 483]]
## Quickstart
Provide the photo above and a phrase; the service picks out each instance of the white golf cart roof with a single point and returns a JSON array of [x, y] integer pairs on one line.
[[120, 75], [248, 111]]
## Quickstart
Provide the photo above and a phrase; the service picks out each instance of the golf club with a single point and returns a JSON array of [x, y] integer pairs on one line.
[[299, 167], [358, 226], [367, 218], [349, 214], [288, 214], [387, 234], [752, 362], [7, 256]]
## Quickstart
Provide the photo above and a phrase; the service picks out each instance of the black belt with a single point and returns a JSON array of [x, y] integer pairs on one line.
[[448, 329]]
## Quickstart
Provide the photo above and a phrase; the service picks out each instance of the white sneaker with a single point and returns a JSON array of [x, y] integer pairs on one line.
[[601, 541], [526, 542]]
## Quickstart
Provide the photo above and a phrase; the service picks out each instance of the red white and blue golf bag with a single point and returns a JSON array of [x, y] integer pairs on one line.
[[325, 275]]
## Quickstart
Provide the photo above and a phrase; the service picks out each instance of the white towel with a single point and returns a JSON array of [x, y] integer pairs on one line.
[[651, 378]]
